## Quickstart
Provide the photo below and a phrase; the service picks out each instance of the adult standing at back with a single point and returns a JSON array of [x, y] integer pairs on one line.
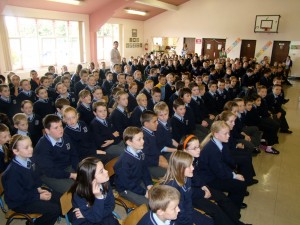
[[115, 57]]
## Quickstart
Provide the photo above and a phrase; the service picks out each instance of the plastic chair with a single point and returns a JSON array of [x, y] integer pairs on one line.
[[66, 205], [11, 215], [136, 215], [127, 205]]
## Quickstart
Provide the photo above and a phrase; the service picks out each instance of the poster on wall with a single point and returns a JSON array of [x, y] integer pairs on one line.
[[134, 32]]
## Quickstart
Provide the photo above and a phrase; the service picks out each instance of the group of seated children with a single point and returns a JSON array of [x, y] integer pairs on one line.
[[156, 128]]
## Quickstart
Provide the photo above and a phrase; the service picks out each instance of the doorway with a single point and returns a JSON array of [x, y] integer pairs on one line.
[[212, 47], [248, 48], [280, 51], [190, 42]]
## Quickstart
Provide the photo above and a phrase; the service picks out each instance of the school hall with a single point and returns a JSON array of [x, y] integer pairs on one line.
[[39, 34]]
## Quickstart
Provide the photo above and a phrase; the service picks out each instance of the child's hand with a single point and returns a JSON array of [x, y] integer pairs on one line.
[[162, 162], [204, 123], [174, 143], [240, 177], [116, 134], [78, 213], [73, 176], [240, 145], [247, 138], [101, 152], [96, 189], [278, 115], [211, 117], [146, 195], [207, 192], [107, 143], [149, 187], [45, 195]]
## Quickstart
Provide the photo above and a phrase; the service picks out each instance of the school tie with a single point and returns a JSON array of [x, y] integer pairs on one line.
[[140, 154], [125, 113], [29, 164], [104, 123]]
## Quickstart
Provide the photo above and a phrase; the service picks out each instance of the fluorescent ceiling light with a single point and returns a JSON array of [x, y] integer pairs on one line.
[[136, 12], [71, 2]]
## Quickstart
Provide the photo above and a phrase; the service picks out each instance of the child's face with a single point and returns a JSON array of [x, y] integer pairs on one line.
[[121, 80], [101, 174], [46, 83], [152, 124], [91, 81], [138, 75], [205, 79], [67, 83], [156, 96], [43, 94], [109, 77], [15, 80], [22, 125], [84, 77], [257, 102], [277, 82], [277, 90], [133, 89], [129, 79], [228, 72], [187, 98], [101, 112], [27, 109], [23, 149], [221, 86], [4, 137], [262, 92], [187, 83], [213, 88], [184, 77], [235, 110], [227, 85], [34, 75], [143, 102], [5, 92], [188, 172], [98, 94], [193, 148], [61, 89], [222, 135], [149, 85], [56, 130], [170, 79], [26, 86], [71, 118], [202, 91], [195, 91], [163, 115], [123, 100], [51, 79], [241, 105], [163, 80], [171, 211], [87, 99], [96, 75], [180, 110], [249, 106], [137, 142], [231, 122]]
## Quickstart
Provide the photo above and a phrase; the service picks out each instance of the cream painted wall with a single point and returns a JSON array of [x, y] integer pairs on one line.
[[229, 20], [126, 33], [45, 14]]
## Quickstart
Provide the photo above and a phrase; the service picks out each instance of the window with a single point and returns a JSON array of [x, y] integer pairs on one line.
[[107, 34], [40, 42]]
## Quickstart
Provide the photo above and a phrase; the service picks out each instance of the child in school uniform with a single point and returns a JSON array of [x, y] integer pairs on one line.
[[163, 203], [97, 94], [8, 103], [56, 156], [35, 125], [119, 116], [180, 126], [148, 86], [34, 80], [104, 134], [44, 105], [91, 83], [66, 80], [92, 197], [133, 178], [4, 139], [84, 106], [178, 85], [45, 82], [135, 118], [155, 98], [132, 102], [154, 158], [60, 105], [81, 84], [62, 91], [179, 174], [108, 83], [211, 98], [163, 133], [26, 93], [20, 124], [23, 192], [15, 89], [81, 136]]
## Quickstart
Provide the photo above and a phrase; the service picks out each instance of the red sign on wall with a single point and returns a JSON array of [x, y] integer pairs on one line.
[[198, 41]]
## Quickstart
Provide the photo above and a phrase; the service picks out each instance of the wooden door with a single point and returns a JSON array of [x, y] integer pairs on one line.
[[190, 44], [248, 48], [212, 47], [280, 51]]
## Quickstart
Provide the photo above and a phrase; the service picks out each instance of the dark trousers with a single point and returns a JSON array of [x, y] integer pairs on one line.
[[270, 128], [224, 212], [245, 166], [236, 189], [50, 210]]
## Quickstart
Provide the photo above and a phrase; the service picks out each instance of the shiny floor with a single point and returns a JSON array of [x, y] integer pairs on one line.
[[275, 200]]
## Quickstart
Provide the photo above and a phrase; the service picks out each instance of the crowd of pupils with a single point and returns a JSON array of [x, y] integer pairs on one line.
[[156, 114]]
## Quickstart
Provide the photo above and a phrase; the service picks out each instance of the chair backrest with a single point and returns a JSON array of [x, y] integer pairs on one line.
[[66, 202], [136, 215], [110, 166]]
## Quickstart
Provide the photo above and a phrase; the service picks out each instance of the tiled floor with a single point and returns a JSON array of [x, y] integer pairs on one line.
[[275, 200]]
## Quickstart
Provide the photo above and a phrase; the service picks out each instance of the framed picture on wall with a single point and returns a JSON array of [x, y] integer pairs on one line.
[[141, 45], [133, 39], [127, 45], [130, 45], [130, 39], [134, 32]]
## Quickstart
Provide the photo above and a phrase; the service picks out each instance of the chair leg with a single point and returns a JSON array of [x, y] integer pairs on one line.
[[67, 220]]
